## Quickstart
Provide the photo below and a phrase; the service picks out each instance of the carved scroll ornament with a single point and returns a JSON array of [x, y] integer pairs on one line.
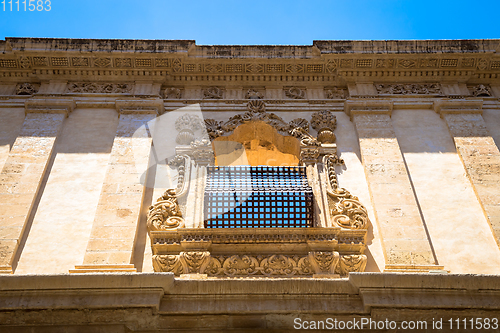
[[345, 209], [165, 214]]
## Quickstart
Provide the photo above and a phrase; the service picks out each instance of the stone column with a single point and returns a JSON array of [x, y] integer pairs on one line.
[[24, 170], [114, 228], [478, 152], [403, 233]]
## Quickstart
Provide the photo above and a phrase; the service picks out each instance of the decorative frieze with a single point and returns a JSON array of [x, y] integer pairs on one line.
[[409, 89], [319, 263], [99, 88]]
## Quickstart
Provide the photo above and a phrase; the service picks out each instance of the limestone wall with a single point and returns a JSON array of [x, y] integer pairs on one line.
[[419, 138]]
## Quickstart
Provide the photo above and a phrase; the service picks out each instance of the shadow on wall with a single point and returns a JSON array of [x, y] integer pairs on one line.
[[88, 131]]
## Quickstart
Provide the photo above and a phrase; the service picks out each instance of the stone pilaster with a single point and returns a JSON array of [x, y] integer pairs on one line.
[[114, 228], [405, 240], [478, 152], [22, 175]]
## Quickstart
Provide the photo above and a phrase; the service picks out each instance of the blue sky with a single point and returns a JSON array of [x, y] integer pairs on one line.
[[254, 22]]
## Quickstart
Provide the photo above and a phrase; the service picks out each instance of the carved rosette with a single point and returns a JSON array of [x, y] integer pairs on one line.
[[271, 265], [325, 123], [165, 214]]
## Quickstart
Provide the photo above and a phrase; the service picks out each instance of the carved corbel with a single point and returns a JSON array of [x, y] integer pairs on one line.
[[192, 262], [323, 262], [167, 263], [351, 263]]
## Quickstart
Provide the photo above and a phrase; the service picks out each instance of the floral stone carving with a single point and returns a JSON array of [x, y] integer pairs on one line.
[[99, 88], [409, 89], [165, 214], [269, 265], [257, 111]]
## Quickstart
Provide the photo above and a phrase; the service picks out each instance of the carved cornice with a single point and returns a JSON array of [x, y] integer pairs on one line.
[[260, 240], [458, 106], [49, 105], [152, 106], [368, 106]]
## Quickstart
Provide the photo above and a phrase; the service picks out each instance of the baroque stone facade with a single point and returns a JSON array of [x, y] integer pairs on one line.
[[104, 167]]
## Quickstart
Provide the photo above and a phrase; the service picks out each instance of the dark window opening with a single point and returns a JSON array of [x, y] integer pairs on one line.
[[258, 197]]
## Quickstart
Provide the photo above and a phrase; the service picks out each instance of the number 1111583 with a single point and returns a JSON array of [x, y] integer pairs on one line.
[[26, 5]]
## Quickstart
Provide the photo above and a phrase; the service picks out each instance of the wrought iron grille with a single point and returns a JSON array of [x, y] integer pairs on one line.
[[258, 197]]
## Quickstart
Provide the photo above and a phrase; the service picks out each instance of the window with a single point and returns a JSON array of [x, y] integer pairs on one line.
[[258, 197]]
